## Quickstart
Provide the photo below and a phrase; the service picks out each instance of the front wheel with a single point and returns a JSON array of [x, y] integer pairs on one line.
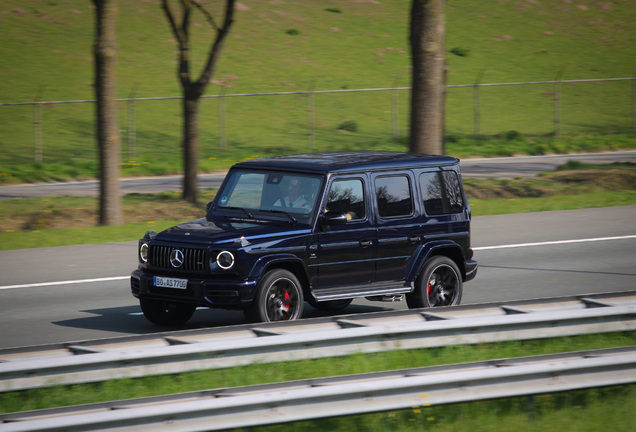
[[166, 313], [279, 297], [440, 284]]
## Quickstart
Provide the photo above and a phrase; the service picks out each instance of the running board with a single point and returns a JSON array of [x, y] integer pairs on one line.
[[392, 291]]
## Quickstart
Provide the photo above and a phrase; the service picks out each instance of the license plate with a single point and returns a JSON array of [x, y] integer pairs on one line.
[[170, 282]]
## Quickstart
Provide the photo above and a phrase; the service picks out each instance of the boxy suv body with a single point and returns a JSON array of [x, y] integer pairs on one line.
[[324, 228]]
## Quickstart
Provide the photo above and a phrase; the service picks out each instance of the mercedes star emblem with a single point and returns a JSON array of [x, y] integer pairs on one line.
[[176, 258]]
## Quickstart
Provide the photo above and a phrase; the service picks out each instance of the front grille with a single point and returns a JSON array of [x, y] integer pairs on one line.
[[192, 259]]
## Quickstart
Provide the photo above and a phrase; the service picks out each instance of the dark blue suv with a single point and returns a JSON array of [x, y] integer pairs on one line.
[[323, 228]]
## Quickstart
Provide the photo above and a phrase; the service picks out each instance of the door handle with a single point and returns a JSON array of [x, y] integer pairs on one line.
[[366, 243], [415, 239]]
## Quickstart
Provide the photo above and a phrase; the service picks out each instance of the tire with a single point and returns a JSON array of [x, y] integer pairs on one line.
[[331, 305], [279, 297], [440, 284], [166, 313]]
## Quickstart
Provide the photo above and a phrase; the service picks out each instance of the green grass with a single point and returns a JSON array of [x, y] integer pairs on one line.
[[548, 410], [46, 51]]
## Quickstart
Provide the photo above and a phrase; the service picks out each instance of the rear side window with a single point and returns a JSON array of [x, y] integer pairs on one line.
[[393, 194], [441, 192]]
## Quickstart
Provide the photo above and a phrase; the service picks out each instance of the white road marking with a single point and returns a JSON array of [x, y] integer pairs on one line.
[[69, 282], [510, 246], [557, 242]]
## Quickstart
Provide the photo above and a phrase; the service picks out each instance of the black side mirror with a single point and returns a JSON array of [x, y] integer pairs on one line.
[[208, 206]]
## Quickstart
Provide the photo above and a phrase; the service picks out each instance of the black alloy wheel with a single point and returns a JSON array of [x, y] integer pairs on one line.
[[279, 297], [440, 284]]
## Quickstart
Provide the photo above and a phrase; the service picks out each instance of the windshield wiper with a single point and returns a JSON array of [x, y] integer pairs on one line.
[[248, 214], [291, 218]]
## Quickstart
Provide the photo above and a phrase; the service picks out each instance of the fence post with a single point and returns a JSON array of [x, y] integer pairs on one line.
[[311, 137], [477, 106], [222, 135], [634, 104], [557, 103], [132, 132], [37, 126], [395, 128]]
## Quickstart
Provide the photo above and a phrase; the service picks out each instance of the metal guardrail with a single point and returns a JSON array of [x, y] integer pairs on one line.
[[242, 407], [93, 361]]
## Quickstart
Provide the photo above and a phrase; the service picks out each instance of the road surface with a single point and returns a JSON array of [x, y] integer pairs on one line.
[[70, 293]]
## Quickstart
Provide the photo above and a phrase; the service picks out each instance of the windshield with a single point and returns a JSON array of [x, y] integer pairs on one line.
[[270, 191]]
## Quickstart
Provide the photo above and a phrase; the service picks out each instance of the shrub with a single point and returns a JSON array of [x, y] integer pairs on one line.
[[349, 126], [512, 135], [460, 52]]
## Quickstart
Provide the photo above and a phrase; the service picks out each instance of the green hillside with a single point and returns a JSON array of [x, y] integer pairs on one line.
[[294, 45]]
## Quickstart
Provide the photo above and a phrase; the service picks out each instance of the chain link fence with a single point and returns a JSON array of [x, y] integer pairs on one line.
[[312, 119]]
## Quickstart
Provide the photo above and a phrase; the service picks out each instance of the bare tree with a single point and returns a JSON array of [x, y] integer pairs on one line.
[[193, 89], [108, 140], [427, 29]]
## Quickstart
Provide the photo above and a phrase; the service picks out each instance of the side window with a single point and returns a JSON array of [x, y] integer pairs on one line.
[[441, 192], [347, 196], [393, 194]]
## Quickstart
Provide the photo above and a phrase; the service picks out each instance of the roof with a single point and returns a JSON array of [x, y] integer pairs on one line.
[[349, 161]]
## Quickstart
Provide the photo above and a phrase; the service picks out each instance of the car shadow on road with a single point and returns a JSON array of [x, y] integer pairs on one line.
[[130, 319]]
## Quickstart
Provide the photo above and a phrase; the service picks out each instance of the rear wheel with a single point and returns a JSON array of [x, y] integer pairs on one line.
[[440, 284], [279, 297], [166, 313]]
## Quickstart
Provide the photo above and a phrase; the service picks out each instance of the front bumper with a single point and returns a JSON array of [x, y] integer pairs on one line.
[[220, 293]]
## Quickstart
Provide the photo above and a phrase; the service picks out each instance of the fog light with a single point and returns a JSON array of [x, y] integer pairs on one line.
[[225, 260]]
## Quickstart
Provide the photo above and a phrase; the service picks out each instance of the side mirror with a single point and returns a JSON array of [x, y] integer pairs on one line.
[[208, 206], [334, 218]]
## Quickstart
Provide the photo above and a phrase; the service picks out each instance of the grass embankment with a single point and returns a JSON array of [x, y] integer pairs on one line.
[[57, 221], [593, 410], [298, 46]]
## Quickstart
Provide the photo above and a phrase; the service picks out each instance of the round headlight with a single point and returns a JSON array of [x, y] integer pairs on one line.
[[225, 260], [143, 252]]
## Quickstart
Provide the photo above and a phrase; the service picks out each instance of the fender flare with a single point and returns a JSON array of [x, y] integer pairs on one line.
[[266, 261], [425, 251]]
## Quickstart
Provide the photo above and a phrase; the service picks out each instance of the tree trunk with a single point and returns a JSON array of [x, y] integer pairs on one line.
[[193, 89], [108, 140], [428, 76], [190, 147]]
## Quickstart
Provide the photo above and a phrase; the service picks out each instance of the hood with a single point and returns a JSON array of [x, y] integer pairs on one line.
[[206, 232]]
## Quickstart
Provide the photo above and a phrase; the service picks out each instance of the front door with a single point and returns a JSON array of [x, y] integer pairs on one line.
[[344, 254]]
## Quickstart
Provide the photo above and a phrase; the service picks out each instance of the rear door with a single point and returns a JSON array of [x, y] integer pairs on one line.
[[398, 225]]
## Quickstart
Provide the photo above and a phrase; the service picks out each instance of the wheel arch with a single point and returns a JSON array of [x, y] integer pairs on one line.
[[444, 248], [287, 262]]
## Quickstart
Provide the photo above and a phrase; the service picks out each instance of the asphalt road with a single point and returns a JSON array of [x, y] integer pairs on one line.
[[71, 293], [525, 166]]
